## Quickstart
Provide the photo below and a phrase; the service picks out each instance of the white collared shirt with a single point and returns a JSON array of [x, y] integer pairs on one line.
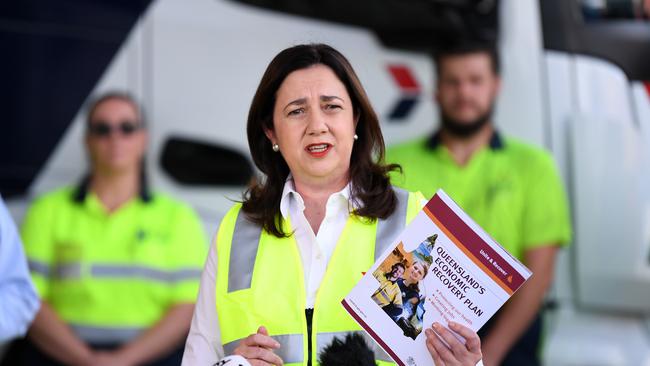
[[203, 346], [315, 249]]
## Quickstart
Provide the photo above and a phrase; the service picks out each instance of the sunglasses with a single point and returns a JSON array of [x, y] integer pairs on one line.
[[104, 129]]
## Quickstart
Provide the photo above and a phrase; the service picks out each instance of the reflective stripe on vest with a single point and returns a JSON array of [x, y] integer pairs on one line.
[[39, 267], [62, 271], [144, 272], [388, 229], [105, 335], [246, 240], [75, 270]]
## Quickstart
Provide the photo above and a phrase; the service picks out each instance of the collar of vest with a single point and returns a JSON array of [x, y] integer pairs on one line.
[[496, 141], [81, 191]]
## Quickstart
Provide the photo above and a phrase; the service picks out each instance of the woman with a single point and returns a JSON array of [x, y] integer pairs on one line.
[[286, 256], [116, 265], [409, 285], [410, 290]]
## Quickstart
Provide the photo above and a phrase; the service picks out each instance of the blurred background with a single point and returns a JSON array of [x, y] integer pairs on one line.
[[576, 79]]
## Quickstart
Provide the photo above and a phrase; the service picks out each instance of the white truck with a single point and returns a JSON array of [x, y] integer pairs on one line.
[[573, 83]]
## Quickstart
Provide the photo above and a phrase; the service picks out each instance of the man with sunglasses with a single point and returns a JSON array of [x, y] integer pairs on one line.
[[116, 265]]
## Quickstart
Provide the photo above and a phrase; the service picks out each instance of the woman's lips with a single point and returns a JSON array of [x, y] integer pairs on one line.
[[318, 150]]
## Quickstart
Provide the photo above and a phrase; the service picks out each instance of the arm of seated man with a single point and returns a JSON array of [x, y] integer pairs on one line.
[[521, 309], [51, 335], [166, 335]]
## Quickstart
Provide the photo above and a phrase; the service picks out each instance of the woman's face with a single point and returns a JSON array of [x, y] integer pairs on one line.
[[115, 141], [416, 272], [314, 124]]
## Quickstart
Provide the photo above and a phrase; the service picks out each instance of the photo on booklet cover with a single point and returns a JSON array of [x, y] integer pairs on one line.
[[400, 294]]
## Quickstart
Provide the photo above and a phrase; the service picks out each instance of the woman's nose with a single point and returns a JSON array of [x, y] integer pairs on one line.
[[317, 124]]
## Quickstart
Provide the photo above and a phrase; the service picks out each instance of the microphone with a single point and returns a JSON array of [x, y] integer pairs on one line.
[[234, 360], [353, 351]]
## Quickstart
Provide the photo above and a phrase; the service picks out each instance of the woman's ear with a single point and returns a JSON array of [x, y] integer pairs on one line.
[[270, 134]]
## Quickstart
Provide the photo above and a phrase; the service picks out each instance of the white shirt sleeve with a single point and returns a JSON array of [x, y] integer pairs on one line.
[[203, 346], [18, 300]]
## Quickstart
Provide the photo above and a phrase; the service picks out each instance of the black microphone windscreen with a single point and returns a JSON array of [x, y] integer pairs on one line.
[[353, 351]]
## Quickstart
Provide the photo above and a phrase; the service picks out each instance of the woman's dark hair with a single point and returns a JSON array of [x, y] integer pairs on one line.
[[370, 183]]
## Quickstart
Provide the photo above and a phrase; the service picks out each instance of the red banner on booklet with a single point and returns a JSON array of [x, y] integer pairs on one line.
[[474, 246]]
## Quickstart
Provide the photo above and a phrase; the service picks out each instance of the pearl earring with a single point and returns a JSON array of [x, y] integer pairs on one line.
[[356, 137], [276, 148]]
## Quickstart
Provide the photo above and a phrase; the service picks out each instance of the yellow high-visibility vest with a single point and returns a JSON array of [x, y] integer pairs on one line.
[[260, 281], [111, 276]]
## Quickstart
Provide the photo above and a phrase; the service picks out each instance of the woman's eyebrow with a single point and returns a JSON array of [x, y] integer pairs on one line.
[[329, 98], [299, 101]]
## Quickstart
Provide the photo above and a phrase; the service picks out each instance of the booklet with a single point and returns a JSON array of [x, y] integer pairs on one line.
[[443, 267]]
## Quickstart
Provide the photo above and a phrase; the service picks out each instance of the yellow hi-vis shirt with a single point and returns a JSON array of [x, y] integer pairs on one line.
[[111, 275], [388, 292], [510, 188], [260, 281]]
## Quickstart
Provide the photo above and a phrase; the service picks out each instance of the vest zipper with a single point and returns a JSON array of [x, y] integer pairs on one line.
[[309, 315]]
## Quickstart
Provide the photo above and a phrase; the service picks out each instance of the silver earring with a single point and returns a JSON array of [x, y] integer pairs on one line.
[[276, 148], [356, 137]]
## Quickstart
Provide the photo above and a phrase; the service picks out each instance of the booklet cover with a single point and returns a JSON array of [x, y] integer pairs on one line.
[[442, 267]]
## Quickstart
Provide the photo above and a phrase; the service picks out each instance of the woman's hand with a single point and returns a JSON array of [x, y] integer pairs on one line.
[[258, 349], [456, 354]]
